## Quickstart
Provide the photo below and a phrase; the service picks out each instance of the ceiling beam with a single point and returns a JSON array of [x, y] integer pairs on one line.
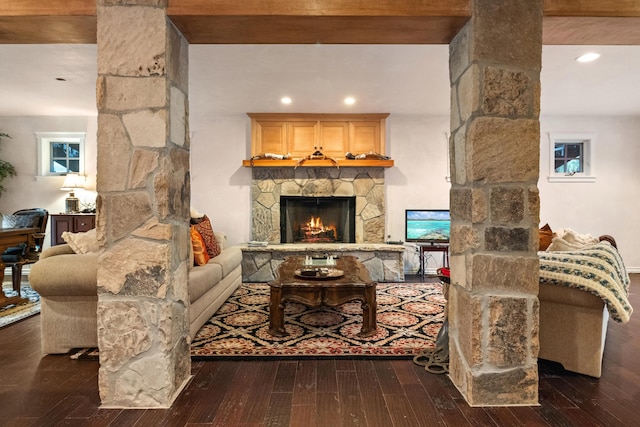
[[50, 21], [592, 8], [353, 8], [597, 22], [321, 21]]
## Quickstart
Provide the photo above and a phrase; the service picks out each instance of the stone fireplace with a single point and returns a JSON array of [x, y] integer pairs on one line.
[[364, 184]]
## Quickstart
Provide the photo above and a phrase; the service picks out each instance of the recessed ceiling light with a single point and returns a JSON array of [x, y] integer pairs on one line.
[[349, 100], [588, 57], [285, 100]]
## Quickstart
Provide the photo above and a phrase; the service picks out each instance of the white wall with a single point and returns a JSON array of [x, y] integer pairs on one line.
[[27, 190], [220, 185], [611, 205]]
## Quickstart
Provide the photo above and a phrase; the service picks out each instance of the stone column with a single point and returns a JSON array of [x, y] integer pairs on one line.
[[495, 63], [143, 205]]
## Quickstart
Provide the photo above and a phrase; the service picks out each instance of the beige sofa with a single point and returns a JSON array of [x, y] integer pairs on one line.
[[573, 328], [573, 322], [67, 285]]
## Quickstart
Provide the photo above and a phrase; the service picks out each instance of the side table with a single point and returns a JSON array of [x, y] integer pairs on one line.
[[444, 248]]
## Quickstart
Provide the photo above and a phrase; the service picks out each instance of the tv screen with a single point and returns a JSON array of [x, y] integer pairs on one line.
[[427, 225]]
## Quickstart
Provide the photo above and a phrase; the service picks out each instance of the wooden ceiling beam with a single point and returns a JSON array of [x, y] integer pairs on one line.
[[50, 21], [321, 21], [592, 8], [353, 8], [597, 22]]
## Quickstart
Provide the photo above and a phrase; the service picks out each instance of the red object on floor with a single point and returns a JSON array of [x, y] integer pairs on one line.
[[444, 271]]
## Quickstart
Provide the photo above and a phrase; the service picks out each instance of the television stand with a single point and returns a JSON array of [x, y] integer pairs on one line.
[[433, 247]]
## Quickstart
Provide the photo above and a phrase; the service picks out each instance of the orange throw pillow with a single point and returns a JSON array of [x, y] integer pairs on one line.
[[200, 255], [546, 235], [203, 227]]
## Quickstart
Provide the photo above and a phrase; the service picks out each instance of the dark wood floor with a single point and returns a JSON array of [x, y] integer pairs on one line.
[[55, 390]]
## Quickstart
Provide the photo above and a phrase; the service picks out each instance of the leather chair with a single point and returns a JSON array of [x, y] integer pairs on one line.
[[17, 256]]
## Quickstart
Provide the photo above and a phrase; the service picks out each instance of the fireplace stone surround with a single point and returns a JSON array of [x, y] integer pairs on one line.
[[366, 184], [259, 264]]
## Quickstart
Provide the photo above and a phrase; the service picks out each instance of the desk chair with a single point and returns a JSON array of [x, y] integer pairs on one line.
[[17, 256]]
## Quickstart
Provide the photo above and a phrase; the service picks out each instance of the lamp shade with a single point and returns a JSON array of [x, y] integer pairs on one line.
[[71, 182]]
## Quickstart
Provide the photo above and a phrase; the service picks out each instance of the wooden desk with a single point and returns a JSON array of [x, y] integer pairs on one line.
[[354, 285], [433, 247], [13, 237]]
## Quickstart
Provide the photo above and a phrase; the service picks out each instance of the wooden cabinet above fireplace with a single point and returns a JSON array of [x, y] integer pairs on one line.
[[334, 134]]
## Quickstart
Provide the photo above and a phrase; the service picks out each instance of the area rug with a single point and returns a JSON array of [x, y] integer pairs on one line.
[[13, 313], [409, 317]]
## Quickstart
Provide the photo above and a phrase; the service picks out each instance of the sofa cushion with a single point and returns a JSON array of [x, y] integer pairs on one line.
[[203, 278], [200, 255], [569, 240], [221, 238], [83, 242], [228, 259]]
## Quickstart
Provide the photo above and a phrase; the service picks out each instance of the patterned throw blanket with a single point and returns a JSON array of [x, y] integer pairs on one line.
[[597, 269]]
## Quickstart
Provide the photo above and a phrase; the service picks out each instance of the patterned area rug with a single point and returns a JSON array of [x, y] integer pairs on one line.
[[13, 313], [409, 317]]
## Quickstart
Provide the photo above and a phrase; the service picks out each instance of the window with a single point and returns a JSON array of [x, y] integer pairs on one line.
[[571, 158], [65, 157], [60, 153]]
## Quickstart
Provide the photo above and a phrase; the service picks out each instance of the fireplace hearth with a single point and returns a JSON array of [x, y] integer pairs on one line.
[[317, 219]]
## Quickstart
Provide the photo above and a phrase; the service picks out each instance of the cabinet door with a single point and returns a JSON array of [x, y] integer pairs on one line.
[[302, 138], [365, 137], [270, 137], [84, 223], [334, 138], [60, 224]]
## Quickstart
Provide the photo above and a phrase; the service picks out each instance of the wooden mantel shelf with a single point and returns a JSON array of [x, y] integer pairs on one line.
[[343, 163]]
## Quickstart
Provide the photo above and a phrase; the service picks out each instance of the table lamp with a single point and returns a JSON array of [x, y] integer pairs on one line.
[[71, 183]]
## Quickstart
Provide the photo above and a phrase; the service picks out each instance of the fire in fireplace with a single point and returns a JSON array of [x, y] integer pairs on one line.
[[317, 219]]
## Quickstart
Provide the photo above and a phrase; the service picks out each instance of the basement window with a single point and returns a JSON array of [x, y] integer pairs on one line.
[[571, 157], [60, 153]]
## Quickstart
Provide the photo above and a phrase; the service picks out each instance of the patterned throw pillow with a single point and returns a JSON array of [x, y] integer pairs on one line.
[[206, 231], [200, 255]]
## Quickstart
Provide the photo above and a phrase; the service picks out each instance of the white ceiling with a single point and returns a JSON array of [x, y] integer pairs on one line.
[[399, 79]]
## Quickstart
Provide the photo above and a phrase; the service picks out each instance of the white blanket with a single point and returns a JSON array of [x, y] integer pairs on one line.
[[597, 269]]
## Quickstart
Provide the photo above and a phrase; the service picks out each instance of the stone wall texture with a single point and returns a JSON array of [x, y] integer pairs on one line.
[[143, 205], [495, 135], [366, 184]]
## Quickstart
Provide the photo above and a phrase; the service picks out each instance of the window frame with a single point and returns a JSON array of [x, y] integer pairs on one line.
[[588, 141], [44, 150]]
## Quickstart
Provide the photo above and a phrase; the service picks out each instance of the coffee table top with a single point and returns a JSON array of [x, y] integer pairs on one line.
[[355, 273]]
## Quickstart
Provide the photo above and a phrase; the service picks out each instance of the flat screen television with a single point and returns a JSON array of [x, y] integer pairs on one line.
[[427, 225]]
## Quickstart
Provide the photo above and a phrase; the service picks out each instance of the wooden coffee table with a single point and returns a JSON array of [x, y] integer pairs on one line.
[[354, 285]]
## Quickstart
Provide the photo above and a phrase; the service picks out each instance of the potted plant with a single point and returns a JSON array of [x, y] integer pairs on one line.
[[6, 169]]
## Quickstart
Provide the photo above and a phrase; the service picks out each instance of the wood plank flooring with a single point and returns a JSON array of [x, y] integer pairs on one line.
[[58, 391]]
